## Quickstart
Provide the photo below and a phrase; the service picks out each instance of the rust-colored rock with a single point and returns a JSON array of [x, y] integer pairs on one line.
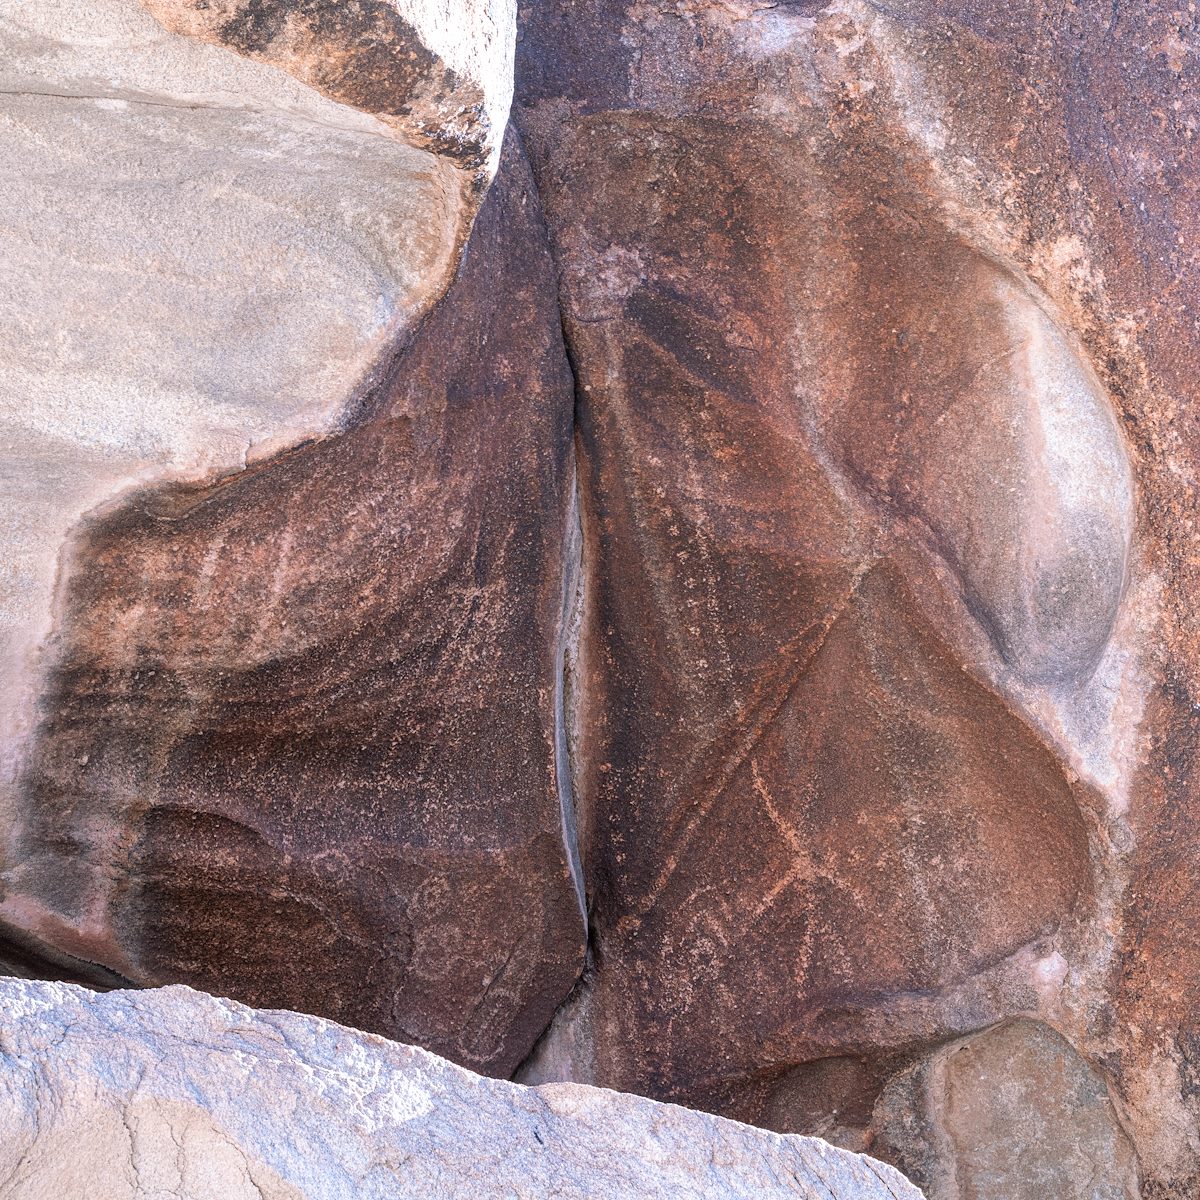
[[299, 743], [842, 626], [884, 656]]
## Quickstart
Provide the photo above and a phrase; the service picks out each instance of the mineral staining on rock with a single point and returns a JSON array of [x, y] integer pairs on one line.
[[865, 528], [203, 260], [845, 527], [174, 1093], [817, 650], [299, 741], [265, 758]]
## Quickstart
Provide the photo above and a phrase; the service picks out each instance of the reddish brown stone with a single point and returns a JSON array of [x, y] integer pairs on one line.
[[883, 326], [881, 679], [799, 810], [300, 735]]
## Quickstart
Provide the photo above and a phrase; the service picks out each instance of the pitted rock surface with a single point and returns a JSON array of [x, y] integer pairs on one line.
[[738, 645]]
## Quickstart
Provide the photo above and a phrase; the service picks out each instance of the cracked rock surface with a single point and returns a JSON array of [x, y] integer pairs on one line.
[[170, 1093], [645, 543]]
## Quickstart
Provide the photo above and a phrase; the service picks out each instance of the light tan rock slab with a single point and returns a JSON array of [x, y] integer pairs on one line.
[[174, 1093]]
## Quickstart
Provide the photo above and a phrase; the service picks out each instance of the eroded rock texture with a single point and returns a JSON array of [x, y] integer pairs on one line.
[[171, 1093], [203, 259], [880, 320], [821, 643], [297, 734], [858, 519]]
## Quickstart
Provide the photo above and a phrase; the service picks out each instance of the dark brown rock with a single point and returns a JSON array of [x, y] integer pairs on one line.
[[299, 743], [809, 505], [882, 324]]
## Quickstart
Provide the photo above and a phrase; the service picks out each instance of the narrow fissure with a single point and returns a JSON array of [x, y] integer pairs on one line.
[[567, 678]]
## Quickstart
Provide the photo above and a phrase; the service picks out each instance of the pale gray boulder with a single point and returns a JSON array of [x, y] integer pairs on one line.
[[172, 1094]]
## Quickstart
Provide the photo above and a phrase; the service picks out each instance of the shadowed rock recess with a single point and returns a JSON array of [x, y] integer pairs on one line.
[[650, 545]]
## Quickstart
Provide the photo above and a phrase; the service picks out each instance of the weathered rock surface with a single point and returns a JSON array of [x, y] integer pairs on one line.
[[204, 258], [1013, 1111], [172, 1093], [440, 75], [862, 530], [882, 318], [843, 692], [298, 738]]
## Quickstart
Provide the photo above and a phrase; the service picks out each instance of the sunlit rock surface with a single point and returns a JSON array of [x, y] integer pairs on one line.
[[172, 1093], [203, 260]]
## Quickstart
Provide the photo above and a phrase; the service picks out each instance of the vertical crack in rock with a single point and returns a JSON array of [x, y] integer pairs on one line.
[[566, 708], [568, 697]]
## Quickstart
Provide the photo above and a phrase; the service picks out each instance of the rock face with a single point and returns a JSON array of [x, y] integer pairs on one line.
[[735, 643], [863, 530], [1013, 1111], [204, 258], [267, 758], [438, 75], [270, 761], [174, 1093], [880, 322]]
